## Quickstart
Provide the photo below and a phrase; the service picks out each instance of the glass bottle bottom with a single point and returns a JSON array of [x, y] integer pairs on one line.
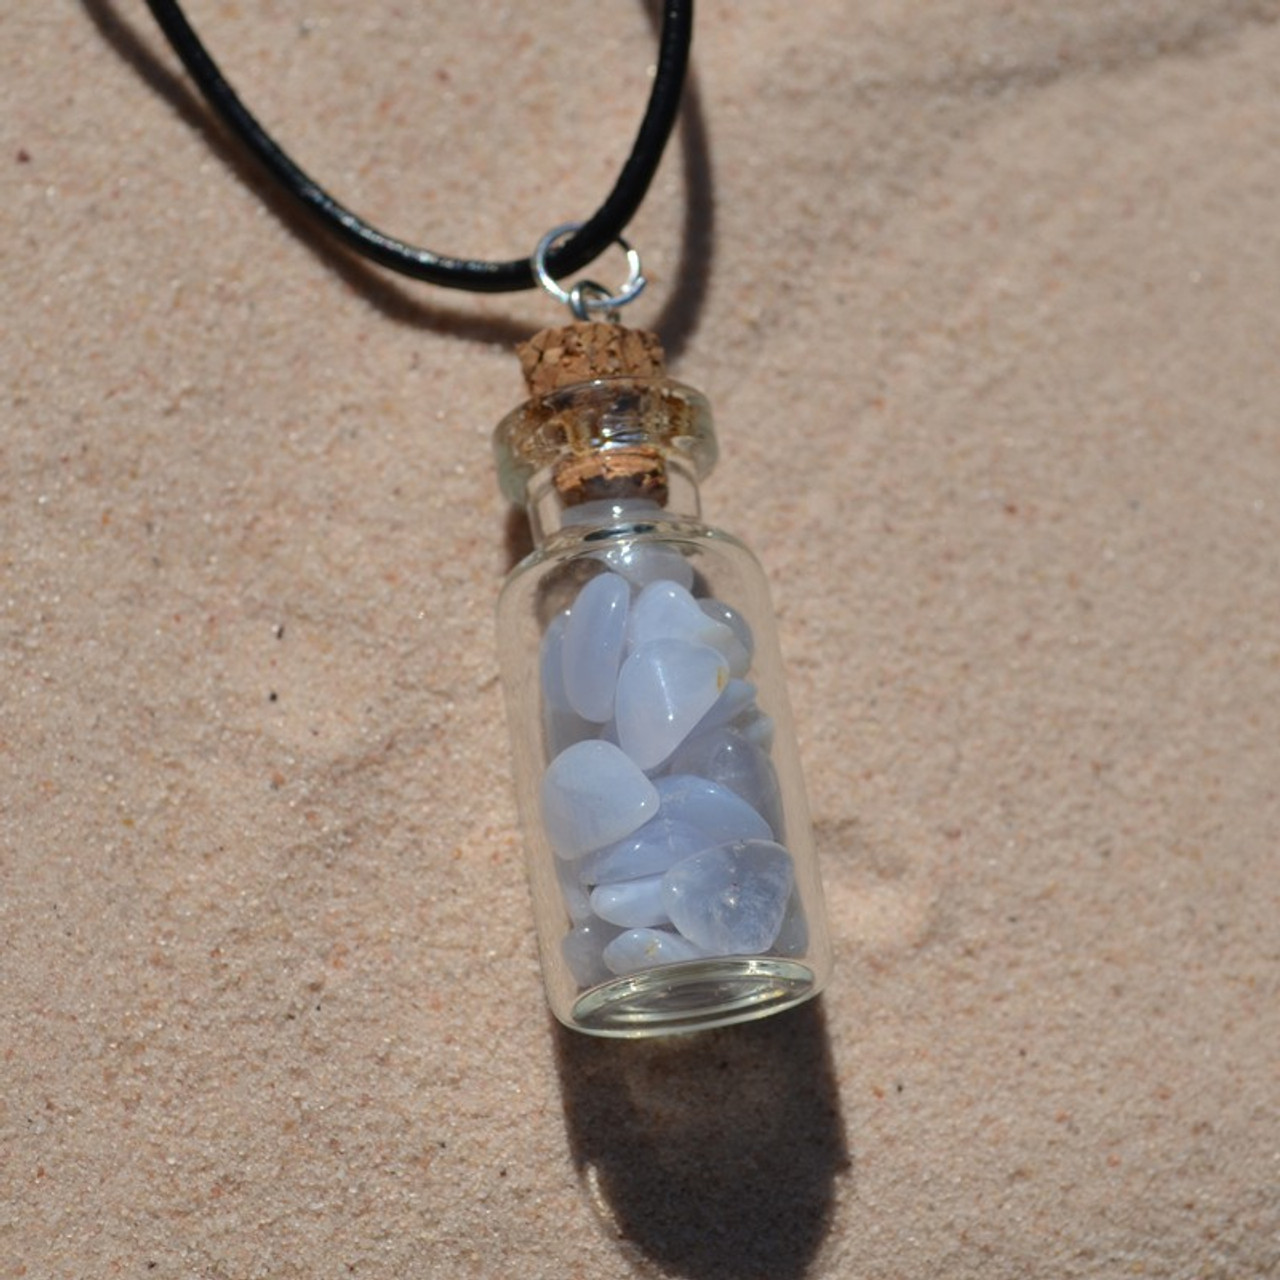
[[693, 997]]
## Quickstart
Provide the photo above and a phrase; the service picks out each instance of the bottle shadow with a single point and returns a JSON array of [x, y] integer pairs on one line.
[[714, 1155]]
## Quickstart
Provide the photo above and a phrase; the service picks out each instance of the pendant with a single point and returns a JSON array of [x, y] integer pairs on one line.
[[669, 846]]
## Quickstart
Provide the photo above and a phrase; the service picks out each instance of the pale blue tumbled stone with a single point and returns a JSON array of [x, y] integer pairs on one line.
[[711, 808], [730, 900], [577, 899], [739, 659], [756, 727], [793, 936], [583, 950], [562, 726], [738, 698], [664, 610], [642, 562], [729, 758], [602, 512], [549, 664], [646, 948], [664, 689], [649, 851], [631, 903], [592, 795], [592, 646]]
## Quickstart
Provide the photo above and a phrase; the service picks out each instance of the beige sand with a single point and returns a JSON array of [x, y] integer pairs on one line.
[[988, 300]]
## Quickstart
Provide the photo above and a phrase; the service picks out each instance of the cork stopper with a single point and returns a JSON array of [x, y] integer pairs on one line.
[[588, 350], [584, 352]]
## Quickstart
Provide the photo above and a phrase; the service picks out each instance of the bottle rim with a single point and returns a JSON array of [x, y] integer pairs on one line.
[[603, 419]]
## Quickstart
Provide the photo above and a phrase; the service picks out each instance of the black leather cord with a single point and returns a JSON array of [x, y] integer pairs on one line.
[[595, 235]]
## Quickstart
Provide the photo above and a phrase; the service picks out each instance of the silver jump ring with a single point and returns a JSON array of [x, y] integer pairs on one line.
[[587, 294], [586, 298]]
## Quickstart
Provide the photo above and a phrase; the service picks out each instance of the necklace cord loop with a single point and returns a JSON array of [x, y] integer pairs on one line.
[[478, 275]]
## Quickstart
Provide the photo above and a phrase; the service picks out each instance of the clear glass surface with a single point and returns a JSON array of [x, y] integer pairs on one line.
[[707, 910]]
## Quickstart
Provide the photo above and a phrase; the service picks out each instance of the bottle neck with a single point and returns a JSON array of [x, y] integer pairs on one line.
[[549, 514]]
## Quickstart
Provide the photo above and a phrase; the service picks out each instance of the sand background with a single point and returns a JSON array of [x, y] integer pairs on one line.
[[987, 299]]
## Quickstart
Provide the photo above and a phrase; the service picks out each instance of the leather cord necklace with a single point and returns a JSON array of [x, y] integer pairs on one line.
[[668, 842], [587, 242]]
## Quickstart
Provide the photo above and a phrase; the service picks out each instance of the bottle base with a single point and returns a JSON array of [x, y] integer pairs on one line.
[[693, 997]]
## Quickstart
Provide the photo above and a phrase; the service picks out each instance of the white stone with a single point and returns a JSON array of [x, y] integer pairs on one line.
[[664, 689], [664, 610], [793, 936], [739, 659], [738, 699], [561, 724], [727, 757], [583, 950], [661, 842], [756, 727], [549, 665], [631, 903], [592, 646], [711, 808], [592, 795], [577, 900], [639, 949], [730, 900], [603, 512], [643, 561]]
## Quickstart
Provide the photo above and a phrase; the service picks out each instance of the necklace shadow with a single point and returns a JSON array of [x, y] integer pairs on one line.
[[679, 314], [517, 538], [678, 319], [714, 1155]]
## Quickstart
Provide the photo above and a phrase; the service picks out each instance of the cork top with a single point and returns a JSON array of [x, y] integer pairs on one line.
[[603, 422], [585, 351]]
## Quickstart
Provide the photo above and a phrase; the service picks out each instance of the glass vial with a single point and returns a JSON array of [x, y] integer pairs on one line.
[[669, 845]]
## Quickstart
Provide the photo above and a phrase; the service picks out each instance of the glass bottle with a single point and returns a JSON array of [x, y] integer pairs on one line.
[[669, 845]]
